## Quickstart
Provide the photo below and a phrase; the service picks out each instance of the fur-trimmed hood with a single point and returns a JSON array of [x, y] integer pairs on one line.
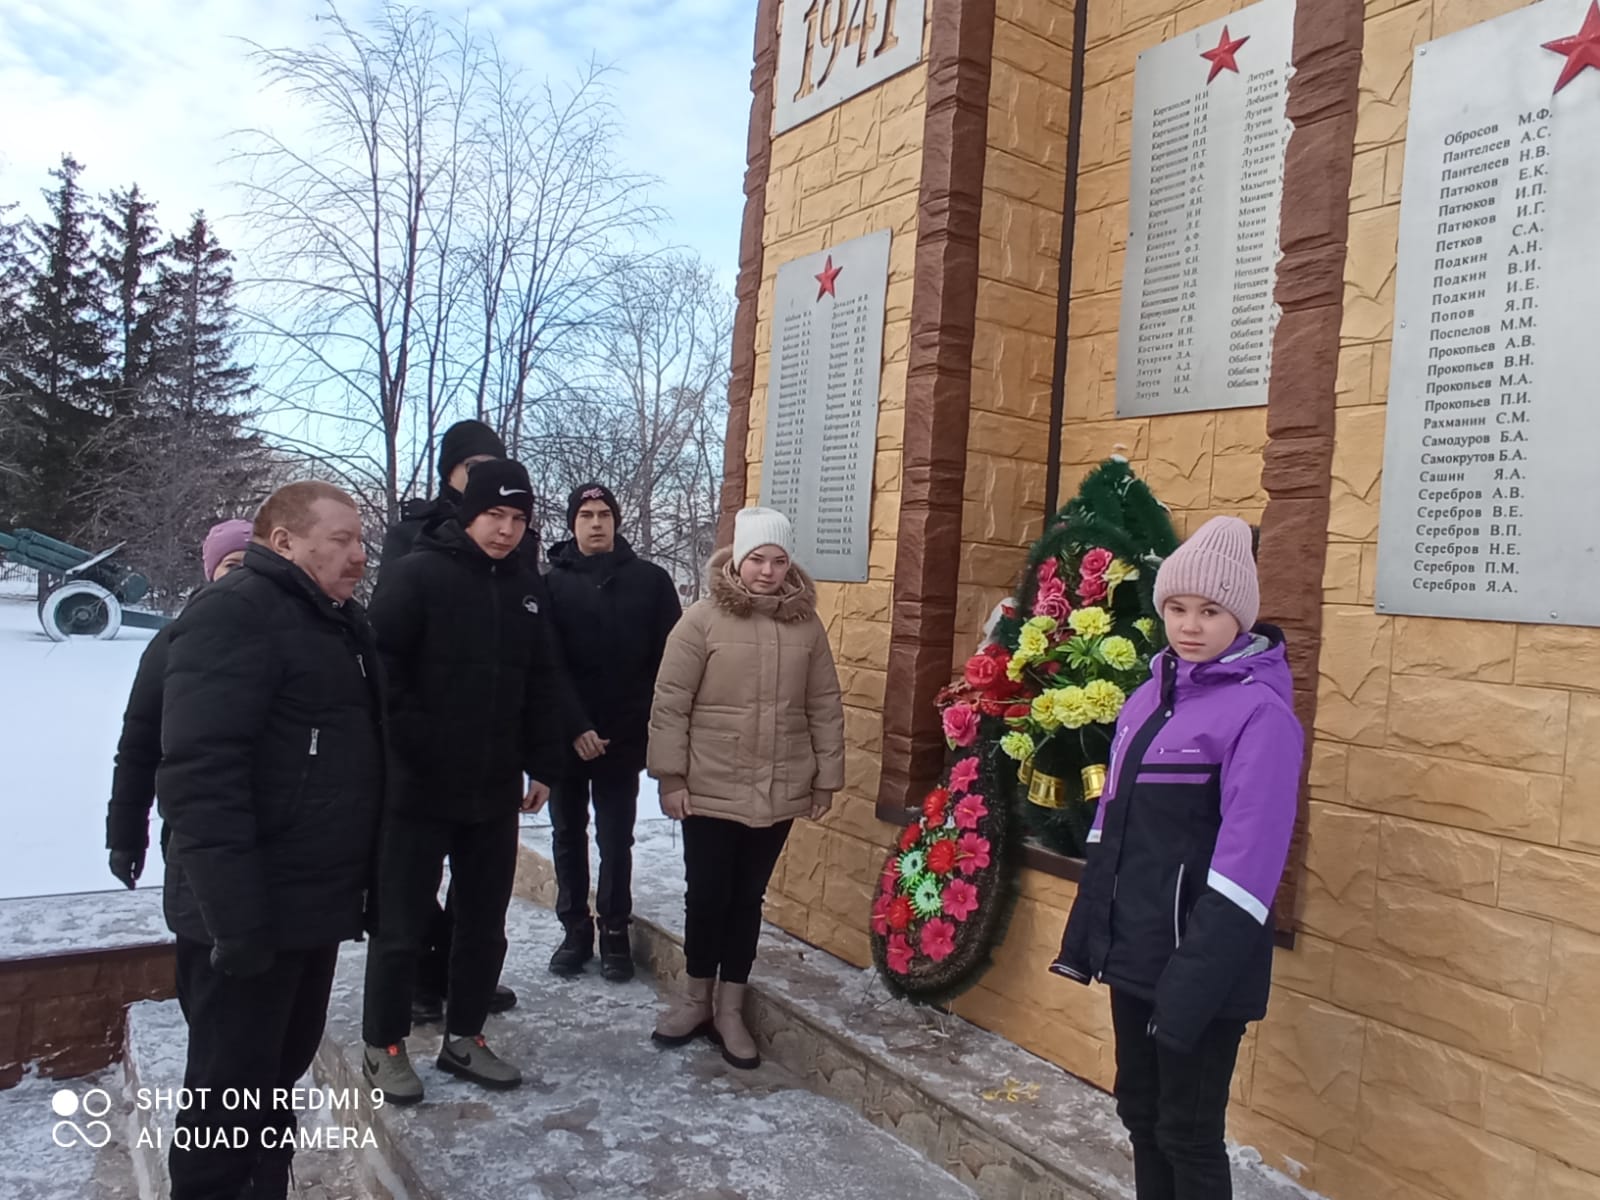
[[797, 601]]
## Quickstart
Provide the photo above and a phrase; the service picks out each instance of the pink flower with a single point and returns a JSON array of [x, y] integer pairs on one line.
[[963, 775], [1095, 563], [1047, 570], [961, 724], [972, 852], [960, 899], [899, 952], [1092, 591], [938, 939], [970, 810], [880, 914], [1058, 607], [891, 874]]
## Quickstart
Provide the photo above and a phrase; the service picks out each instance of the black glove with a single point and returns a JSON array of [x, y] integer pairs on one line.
[[241, 958], [127, 865]]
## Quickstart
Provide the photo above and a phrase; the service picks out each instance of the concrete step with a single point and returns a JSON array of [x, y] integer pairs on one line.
[[604, 1113], [1009, 1124], [156, 1043], [42, 1157]]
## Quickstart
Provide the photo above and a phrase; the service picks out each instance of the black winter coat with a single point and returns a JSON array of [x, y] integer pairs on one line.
[[613, 613], [133, 778], [271, 776], [470, 668]]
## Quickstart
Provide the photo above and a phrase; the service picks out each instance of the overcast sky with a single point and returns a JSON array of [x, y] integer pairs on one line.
[[148, 91]]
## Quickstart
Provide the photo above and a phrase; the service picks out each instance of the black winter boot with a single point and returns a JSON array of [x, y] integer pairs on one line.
[[576, 949], [503, 1000], [616, 955]]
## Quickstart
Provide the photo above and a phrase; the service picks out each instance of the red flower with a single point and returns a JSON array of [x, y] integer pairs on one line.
[[880, 914], [891, 874], [898, 952], [969, 811], [938, 939], [973, 853], [1095, 562], [960, 899], [1017, 711], [899, 914], [1051, 668], [984, 670], [942, 857], [934, 807], [909, 836], [964, 774]]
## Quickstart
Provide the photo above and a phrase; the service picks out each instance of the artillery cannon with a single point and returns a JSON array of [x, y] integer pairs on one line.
[[81, 594]]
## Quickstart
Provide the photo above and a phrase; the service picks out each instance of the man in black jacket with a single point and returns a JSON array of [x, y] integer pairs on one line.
[[270, 784], [133, 778], [469, 669], [613, 611]]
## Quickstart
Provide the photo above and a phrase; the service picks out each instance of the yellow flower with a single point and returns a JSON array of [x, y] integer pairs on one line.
[[1147, 627], [1017, 745], [1119, 653], [1044, 711], [1042, 624], [1072, 707], [1119, 572], [1032, 643], [1015, 667], [1090, 622], [1104, 699]]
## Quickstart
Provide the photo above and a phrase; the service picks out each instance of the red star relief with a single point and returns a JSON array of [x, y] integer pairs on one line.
[[825, 281], [1223, 57], [1582, 49]]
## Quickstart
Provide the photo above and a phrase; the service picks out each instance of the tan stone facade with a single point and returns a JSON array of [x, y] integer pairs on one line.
[[1433, 1031]]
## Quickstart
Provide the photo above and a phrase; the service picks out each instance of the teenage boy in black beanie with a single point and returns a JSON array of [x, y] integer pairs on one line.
[[469, 667], [613, 611], [463, 446]]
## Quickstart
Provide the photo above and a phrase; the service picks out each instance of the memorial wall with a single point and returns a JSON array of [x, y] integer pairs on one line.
[[1405, 408]]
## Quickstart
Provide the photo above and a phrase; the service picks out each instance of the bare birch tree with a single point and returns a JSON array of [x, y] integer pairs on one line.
[[441, 231]]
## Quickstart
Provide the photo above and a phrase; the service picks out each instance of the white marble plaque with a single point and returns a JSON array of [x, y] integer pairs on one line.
[[1210, 127], [822, 401], [1491, 492], [830, 50]]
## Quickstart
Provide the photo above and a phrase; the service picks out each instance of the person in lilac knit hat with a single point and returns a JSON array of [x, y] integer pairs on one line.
[[1174, 912], [133, 775]]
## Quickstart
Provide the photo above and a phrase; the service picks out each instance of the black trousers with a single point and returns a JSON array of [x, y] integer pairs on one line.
[[1175, 1106], [258, 1034], [614, 788], [483, 864], [727, 867]]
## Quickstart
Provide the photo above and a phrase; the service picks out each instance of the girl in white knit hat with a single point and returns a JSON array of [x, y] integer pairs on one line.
[[1174, 911], [746, 735]]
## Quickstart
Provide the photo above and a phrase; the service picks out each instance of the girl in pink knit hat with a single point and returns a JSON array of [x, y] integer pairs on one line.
[[1174, 912]]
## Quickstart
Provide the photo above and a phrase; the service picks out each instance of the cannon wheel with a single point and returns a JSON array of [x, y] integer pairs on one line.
[[81, 609]]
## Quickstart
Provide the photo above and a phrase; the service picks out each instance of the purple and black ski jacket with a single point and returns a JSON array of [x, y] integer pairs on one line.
[[1190, 839]]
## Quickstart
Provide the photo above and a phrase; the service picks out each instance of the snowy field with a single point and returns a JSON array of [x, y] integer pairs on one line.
[[60, 713]]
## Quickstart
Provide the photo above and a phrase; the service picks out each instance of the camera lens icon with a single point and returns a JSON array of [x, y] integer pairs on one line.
[[66, 1104]]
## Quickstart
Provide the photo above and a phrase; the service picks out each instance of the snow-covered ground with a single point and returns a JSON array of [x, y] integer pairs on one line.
[[60, 713]]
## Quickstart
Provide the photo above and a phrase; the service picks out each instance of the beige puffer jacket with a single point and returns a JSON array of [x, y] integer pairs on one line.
[[747, 714]]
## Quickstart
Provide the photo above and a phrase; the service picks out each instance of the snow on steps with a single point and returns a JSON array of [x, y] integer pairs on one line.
[[939, 1083], [605, 1114]]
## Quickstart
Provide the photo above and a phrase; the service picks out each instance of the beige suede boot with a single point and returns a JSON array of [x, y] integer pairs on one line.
[[687, 1017], [738, 1047]]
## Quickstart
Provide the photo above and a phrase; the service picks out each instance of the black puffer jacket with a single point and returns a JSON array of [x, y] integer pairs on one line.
[[418, 516], [133, 778], [271, 776], [471, 673], [613, 613]]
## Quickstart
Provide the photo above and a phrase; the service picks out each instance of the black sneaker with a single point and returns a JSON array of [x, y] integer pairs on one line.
[[616, 955], [576, 949], [503, 1000], [426, 1009]]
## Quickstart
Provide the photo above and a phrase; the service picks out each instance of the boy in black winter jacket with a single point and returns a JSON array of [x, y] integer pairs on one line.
[[469, 667], [613, 612]]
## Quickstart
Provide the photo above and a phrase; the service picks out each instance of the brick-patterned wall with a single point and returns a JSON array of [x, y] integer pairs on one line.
[[855, 169], [65, 1013]]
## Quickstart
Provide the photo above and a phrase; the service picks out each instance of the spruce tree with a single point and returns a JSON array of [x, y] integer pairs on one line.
[[130, 257]]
